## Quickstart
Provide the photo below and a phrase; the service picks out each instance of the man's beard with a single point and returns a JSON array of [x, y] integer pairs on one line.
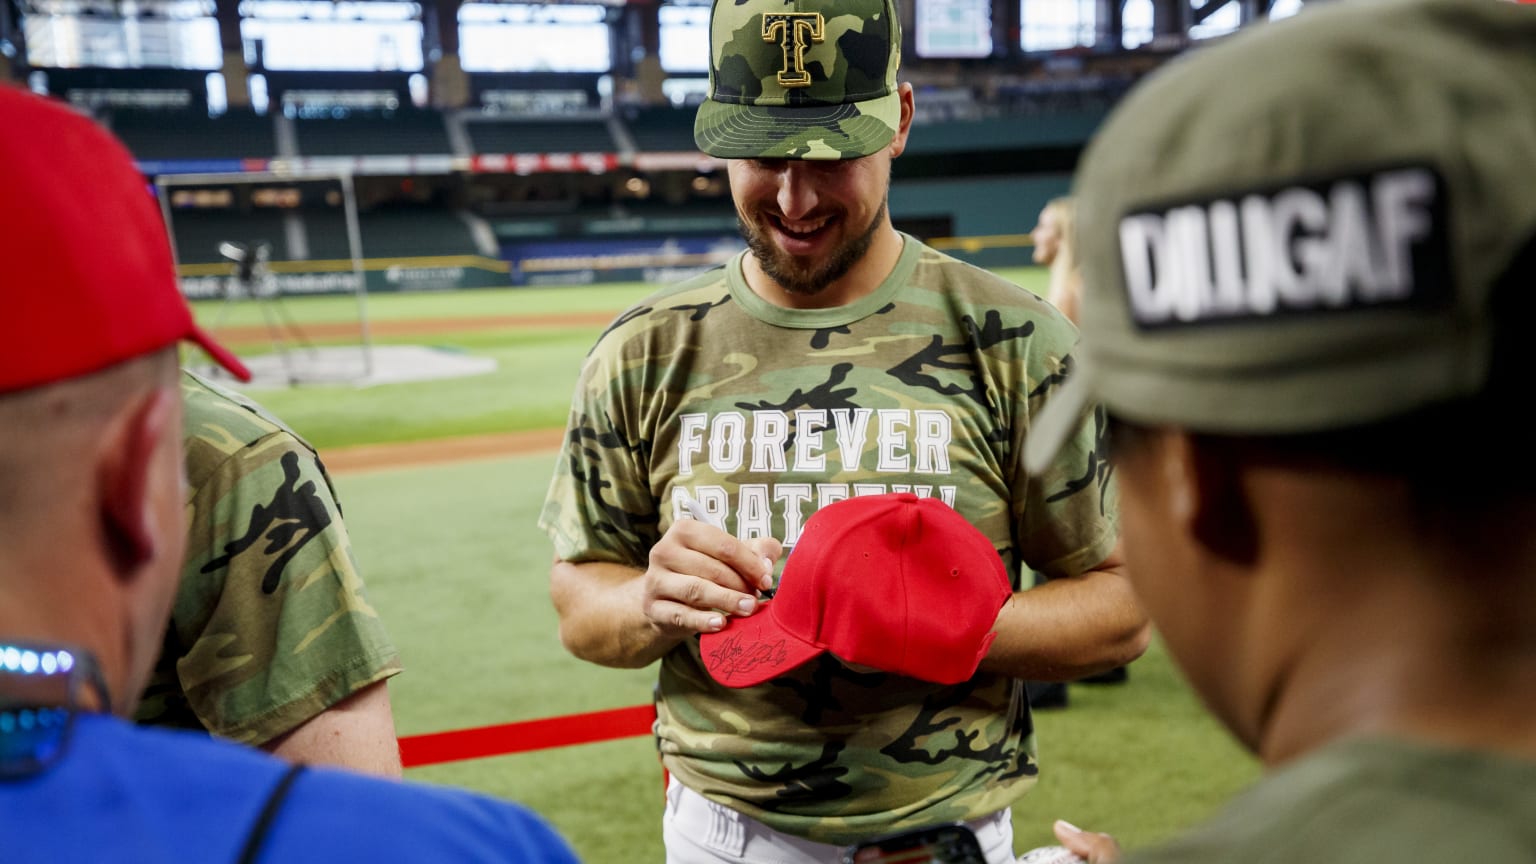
[[807, 279]]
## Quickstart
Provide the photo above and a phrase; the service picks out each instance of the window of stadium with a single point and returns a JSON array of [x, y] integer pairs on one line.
[[125, 34], [521, 37], [1136, 20], [1284, 9], [953, 28], [1051, 25], [684, 38], [318, 35], [685, 92], [1224, 20], [1136, 23]]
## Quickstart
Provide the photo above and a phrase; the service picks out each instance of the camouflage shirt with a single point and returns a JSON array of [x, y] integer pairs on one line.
[[763, 414], [270, 626]]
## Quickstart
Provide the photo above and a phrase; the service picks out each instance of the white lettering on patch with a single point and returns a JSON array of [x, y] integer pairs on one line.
[[1353, 242]]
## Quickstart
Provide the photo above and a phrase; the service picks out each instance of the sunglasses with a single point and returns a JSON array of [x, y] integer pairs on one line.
[[41, 690]]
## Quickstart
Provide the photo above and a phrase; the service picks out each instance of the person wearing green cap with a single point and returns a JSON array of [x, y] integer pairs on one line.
[[836, 357], [1308, 255]]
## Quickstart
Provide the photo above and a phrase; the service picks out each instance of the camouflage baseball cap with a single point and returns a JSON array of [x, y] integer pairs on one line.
[[1302, 229], [800, 79]]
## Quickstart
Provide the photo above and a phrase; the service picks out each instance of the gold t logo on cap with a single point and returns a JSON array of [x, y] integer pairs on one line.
[[794, 31]]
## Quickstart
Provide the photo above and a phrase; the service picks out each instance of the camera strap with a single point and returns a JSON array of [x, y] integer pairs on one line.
[[263, 825]]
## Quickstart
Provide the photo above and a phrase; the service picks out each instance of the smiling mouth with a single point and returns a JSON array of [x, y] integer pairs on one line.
[[803, 229]]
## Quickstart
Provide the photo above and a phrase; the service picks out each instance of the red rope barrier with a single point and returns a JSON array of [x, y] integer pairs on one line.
[[504, 738]]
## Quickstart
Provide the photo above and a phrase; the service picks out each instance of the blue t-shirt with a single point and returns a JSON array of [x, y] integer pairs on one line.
[[122, 793]]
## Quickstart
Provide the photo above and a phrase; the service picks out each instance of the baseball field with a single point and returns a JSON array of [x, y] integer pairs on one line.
[[441, 483]]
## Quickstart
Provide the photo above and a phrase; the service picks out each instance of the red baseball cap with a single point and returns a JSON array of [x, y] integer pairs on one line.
[[88, 281], [897, 582]]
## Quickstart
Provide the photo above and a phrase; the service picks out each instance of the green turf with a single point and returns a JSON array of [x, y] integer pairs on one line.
[[455, 564], [480, 302], [530, 389]]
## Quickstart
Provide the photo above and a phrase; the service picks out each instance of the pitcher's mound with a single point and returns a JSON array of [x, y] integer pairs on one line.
[[357, 366]]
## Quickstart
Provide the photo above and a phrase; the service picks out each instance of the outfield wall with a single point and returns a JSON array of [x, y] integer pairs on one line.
[[979, 206], [381, 275]]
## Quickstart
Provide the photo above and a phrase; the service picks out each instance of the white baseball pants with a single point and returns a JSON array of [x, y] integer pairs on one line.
[[696, 830]]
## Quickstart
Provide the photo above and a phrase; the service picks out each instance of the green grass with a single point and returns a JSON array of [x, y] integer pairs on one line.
[[530, 389], [459, 571], [455, 550], [452, 304]]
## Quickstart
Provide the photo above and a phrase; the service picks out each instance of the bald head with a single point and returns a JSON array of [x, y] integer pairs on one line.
[[53, 425], [92, 525]]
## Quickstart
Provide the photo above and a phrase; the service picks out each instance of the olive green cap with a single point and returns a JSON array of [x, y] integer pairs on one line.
[[1299, 229]]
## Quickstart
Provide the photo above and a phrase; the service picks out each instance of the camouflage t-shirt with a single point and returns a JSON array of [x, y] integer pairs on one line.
[[763, 414], [271, 625]]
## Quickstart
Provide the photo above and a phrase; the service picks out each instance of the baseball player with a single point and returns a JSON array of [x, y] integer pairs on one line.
[[1308, 255], [837, 357]]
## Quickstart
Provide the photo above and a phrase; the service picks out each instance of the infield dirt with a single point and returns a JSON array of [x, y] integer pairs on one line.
[[411, 454]]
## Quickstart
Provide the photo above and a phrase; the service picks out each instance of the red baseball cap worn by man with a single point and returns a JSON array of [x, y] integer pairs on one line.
[[77, 255]]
